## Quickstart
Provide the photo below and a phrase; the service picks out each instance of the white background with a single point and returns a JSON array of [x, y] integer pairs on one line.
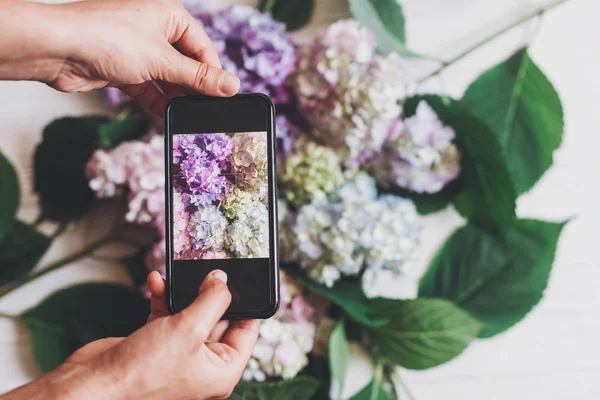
[[552, 354]]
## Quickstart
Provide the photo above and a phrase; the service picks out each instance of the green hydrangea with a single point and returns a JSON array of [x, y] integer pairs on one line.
[[309, 171], [237, 202]]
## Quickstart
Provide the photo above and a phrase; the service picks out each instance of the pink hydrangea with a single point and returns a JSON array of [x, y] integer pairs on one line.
[[345, 90], [135, 168]]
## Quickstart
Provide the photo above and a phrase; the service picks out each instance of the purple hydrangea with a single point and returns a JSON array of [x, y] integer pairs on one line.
[[419, 155], [115, 97], [199, 162], [254, 47]]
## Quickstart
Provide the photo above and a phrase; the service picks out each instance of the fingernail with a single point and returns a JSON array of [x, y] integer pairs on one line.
[[220, 275], [229, 84]]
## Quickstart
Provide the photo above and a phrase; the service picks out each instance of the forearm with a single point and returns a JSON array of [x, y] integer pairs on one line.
[[35, 39], [70, 383]]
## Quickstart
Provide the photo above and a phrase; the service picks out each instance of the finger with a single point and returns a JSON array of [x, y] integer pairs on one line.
[[210, 305], [158, 304], [148, 96], [198, 76], [156, 284], [242, 336], [195, 43], [219, 331]]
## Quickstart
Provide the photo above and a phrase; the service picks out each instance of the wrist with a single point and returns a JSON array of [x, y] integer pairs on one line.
[[80, 381], [36, 40]]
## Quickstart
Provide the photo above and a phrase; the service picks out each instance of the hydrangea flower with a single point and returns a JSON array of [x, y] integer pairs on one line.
[[115, 97], [254, 47], [198, 164], [347, 91], [249, 162], [207, 229], [238, 202], [309, 171], [135, 168], [420, 155], [248, 235], [351, 231], [183, 247], [286, 339]]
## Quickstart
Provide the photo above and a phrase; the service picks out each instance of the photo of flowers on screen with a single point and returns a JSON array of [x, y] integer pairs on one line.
[[220, 196]]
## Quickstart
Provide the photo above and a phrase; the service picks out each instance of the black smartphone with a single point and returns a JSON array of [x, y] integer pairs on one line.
[[221, 201]]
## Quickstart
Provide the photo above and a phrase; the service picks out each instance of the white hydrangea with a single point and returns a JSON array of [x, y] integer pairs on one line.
[[353, 231], [248, 234], [208, 227]]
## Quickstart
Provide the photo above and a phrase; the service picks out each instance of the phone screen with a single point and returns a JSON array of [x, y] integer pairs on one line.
[[221, 200]]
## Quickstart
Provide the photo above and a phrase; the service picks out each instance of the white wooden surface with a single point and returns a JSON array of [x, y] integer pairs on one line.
[[554, 353]]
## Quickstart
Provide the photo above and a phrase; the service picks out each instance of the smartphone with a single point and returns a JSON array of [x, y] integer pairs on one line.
[[221, 201]]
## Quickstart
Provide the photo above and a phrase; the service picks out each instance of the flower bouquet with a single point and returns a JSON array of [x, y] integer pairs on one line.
[[361, 160]]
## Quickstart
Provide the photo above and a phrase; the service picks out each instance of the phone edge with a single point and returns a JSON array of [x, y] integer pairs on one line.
[[272, 309]]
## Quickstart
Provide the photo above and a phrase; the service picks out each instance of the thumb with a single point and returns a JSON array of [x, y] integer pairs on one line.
[[199, 77], [213, 300]]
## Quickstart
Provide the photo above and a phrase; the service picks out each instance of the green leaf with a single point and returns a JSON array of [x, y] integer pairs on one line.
[[497, 280], [421, 333], [9, 200], [59, 166], [118, 131], [348, 294], [299, 388], [20, 251], [293, 13], [487, 196], [367, 393], [519, 104], [77, 315], [386, 20], [338, 353]]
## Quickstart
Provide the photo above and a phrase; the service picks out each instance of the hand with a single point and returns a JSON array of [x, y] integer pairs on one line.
[[158, 309], [151, 49], [190, 355]]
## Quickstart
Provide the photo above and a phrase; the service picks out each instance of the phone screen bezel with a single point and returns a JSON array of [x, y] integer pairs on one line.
[[240, 113]]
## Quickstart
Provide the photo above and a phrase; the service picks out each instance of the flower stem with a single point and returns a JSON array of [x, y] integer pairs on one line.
[[493, 36], [377, 379], [86, 251]]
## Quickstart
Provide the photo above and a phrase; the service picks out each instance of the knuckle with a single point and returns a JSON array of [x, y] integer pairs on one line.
[[181, 322], [188, 325], [202, 78]]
